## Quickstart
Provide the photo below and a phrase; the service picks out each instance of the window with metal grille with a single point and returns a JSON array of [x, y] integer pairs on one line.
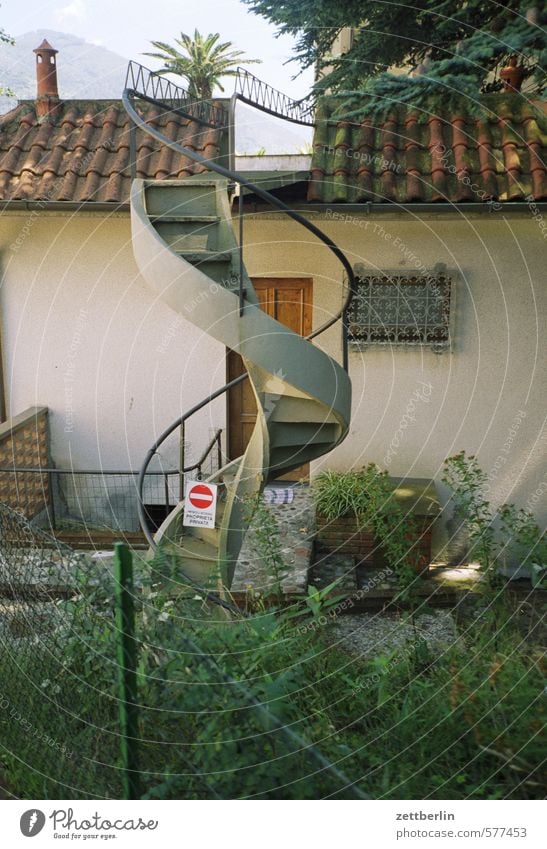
[[392, 309]]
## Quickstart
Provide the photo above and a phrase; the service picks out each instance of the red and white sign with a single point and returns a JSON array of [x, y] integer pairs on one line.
[[200, 505]]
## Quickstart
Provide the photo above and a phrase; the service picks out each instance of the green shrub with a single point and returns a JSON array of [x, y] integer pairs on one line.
[[493, 533], [406, 724], [367, 494]]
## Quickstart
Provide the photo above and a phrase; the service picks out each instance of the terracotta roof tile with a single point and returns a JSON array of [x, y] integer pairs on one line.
[[501, 155], [82, 152]]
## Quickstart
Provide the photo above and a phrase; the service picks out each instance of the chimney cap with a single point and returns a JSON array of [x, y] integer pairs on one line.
[[45, 45]]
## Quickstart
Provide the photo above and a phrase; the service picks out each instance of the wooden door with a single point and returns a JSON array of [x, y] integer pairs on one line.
[[289, 301]]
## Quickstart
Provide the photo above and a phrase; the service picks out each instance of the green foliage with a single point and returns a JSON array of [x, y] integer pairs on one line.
[[316, 602], [406, 724], [467, 481], [63, 682], [368, 495], [201, 60], [456, 45], [462, 723], [493, 533], [265, 532], [6, 39]]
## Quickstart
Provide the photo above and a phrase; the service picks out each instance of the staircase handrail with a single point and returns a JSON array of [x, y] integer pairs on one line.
[[236, 177], [261, 95]]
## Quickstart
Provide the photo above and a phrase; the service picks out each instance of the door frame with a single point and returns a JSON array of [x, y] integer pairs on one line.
[[307, 283]]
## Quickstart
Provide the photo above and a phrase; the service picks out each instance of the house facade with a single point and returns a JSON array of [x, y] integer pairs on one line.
[[442, 217]]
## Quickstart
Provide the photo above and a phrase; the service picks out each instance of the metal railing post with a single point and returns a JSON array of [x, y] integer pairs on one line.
[[345, 361], [181, 461], [232, 132], [127, 670], [219, 450], [132, 150], [241, 287], [166, 490], [51, 510]]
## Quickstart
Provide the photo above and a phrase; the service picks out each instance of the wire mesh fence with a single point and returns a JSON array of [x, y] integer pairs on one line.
[[200, 719], [102, 501], [53, 731], [67, 499]]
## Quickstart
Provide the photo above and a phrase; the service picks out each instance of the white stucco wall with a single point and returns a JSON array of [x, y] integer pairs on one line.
[[488, 395], [83, 335]]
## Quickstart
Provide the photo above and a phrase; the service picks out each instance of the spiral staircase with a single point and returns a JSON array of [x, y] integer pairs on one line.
[[187, 252]]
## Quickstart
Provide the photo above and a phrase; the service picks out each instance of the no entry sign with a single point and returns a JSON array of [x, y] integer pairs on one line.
[[200, 505]]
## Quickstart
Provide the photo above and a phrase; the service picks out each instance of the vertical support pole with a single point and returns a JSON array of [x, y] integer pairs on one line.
[[241, 289], [344, 342], [127, 669], [232, 133], [166, 492], [181, 462], [51, 506], [132, 150], [219, 450]]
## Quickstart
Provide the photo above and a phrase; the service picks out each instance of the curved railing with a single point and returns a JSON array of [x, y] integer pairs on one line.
[[261, 95], [128, 97]]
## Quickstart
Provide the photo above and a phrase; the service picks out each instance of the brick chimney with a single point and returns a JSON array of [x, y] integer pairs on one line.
[[512, 75], [47, 94]]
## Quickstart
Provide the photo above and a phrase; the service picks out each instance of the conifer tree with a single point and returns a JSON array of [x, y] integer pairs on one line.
[[440, 50]]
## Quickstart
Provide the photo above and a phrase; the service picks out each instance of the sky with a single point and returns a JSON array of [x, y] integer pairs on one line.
[[128, 26]]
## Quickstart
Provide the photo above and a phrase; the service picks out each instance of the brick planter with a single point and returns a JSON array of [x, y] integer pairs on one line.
[[342, 536], [417, 500]]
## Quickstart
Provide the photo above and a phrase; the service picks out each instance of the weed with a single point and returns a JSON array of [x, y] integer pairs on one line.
[[493, 533]]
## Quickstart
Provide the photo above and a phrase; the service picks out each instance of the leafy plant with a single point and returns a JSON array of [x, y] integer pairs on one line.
[[264, 531], [367, 495], [316, 602], [406, 723], [201, 59], [467, 481], [492, 532]]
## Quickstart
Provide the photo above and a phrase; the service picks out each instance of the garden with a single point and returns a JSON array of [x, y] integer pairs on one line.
[[267, 702]]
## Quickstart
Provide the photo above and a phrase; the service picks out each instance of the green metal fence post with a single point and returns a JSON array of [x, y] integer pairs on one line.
[[127, 666]]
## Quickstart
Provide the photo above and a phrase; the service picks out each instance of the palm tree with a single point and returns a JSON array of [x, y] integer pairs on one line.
[[202, 64]]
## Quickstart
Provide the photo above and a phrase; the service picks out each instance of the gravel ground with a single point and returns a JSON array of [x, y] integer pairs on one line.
[[370, 634]]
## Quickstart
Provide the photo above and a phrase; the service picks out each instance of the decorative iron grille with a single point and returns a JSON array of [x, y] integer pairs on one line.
[[401, 310]]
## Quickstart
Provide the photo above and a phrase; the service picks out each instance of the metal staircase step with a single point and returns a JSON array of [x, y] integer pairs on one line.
[[187, 181], [301, 433], [190, 198], [290, 409], [196, 257], [183, 230]]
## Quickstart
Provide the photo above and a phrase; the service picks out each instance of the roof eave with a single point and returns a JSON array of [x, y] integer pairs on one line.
[[63, 206]]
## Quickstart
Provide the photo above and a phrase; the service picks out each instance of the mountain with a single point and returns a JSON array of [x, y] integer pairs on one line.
[[88, 71], [84, 70], [256, 130]]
